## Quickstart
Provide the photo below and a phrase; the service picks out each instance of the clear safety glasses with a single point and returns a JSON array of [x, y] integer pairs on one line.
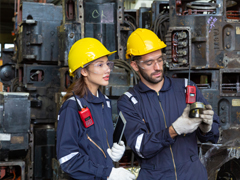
[[150, 64], [102, 67]]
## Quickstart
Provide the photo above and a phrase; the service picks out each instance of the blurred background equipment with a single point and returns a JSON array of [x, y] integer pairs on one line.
[[36, 36]]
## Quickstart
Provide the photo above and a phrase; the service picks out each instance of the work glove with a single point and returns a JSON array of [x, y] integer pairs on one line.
[[184, 124], [117, 151], [207, 119], [120, 174]]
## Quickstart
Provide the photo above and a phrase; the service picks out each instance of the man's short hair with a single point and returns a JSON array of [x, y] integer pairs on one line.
[[136, 58]]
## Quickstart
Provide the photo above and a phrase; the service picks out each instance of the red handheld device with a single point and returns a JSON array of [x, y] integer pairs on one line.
[[84, 113], [190, 90], [190, 94], [86, 117]]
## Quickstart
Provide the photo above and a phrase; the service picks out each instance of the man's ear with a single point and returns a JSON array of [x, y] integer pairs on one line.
[[84, 72], [134, 65]]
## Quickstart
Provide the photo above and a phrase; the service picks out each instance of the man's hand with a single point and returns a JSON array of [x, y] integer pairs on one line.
[[184, 124], [121, 174], [117, 151], [207, 119]]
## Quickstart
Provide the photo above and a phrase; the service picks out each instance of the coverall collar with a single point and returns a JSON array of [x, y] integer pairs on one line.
[[166, 85], [93, 99]]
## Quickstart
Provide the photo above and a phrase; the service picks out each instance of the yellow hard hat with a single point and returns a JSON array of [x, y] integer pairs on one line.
[[143, 41], [84, 51]]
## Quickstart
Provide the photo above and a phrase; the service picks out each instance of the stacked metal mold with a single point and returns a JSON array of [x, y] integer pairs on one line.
[[202, 35], [14, 132], [205, 36], [38, 66]]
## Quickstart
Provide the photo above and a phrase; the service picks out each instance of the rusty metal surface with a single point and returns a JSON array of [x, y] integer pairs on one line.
[[205, 35], [215, 35], [15, 163]]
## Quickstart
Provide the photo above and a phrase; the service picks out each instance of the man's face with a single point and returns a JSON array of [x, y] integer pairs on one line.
[[150, 67]]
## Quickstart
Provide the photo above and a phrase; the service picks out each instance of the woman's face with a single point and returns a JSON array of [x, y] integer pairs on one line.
[[98, 72]]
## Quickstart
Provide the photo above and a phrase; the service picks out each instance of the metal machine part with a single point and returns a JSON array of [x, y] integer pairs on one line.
[[203, 34], [13, 170], [196, 109], [14, 133], [178, 50], [214, 58], [37, 38]]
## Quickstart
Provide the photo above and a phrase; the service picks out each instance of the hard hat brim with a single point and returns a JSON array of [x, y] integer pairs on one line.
[[107, 54]]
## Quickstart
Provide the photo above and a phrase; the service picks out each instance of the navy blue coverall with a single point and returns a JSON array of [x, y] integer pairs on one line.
[[149, 114], [82, 152]]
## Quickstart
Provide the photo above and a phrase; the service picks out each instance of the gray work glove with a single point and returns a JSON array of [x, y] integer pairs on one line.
[[121, 174], [117, 151], [207, 119], [184, 124]]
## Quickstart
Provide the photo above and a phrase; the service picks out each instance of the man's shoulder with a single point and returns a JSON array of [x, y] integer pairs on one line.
[[178, 82], [126, 95], [129, 95]]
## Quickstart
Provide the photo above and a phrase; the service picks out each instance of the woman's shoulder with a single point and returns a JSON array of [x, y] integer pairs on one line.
[[71, 103]]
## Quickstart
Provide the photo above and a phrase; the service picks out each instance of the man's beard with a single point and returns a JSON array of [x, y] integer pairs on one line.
[[149, 78]]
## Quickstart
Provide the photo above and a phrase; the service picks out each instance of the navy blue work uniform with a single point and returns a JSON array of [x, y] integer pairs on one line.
[[149, 115], [82, 152]]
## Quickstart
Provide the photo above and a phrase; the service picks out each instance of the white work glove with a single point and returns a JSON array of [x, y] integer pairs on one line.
[[207, 119], [121, 174], [117, 151], [184, 124]]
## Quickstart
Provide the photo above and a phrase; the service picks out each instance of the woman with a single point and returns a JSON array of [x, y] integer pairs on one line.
[[85, 128]]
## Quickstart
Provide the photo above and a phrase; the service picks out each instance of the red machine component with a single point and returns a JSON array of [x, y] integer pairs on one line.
[[233, 14], [2, 172]]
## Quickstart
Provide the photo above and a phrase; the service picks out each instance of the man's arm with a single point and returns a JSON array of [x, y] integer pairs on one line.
[[144, 143], [212, 135]]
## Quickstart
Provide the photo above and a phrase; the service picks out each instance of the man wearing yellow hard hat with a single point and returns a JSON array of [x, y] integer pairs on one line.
[[159, 130], [85, 148]]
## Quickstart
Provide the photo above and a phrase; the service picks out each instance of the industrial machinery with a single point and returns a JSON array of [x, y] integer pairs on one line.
[[203, 34]]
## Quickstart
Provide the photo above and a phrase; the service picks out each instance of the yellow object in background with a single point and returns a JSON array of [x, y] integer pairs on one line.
[[134, 170]]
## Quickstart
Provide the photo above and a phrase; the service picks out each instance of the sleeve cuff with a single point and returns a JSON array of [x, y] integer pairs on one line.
[[168, 139], [104, 172]]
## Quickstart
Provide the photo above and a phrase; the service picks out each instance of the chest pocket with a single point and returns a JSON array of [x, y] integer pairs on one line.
[[96, 145], [180, 94]]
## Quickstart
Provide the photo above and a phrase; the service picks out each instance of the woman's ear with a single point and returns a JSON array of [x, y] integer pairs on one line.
[[134, 65], [84, 72]]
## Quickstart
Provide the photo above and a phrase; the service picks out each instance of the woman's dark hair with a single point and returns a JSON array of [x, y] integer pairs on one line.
[[79, 87]]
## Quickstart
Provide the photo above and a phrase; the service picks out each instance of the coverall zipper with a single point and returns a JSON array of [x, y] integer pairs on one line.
[[107, 138], [96, 145], [170, 145], [105, 129]]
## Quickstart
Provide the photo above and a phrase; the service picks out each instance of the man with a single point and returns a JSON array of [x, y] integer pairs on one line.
[[158, 129]]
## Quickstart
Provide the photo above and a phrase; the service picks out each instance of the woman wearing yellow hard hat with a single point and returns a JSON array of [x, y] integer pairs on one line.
[[85, 148]]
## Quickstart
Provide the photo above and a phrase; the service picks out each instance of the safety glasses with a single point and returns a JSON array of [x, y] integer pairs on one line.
[[150, 64], [102, 67]]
